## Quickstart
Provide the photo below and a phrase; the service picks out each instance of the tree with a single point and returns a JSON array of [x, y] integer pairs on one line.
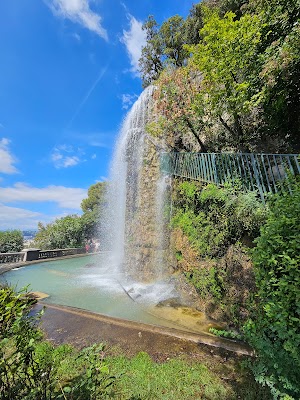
[[73, 230], [165, 44], [11, 241], [194, 21], [235, 6], [280, 16], [176, 92], [96, 197], [227, 59], [150, 63], [172, 39], [66, 232], [92, 208], [193, 24], [280, 70]]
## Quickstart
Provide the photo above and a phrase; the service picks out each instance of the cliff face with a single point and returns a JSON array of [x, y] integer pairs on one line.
[[141, 233], [146, 237], [224, 285]]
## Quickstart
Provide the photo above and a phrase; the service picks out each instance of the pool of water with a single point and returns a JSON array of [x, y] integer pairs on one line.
[[88, 283]]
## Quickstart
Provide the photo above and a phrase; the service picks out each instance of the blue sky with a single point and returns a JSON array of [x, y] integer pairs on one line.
[[68, 75]]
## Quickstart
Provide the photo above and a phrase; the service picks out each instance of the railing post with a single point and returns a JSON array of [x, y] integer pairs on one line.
[[31, 254]]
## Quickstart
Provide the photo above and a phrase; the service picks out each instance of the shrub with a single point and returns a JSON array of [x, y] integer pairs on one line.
[[33, 369], [215, 217], [207, 281], [62, 233], [274, 330], [11, 241], [226, 334]]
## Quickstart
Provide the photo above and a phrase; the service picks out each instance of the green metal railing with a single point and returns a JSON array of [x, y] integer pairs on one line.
[[264, 173]]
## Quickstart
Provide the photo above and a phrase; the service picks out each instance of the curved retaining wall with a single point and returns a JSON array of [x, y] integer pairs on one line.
[[37, 254], [47, 255]]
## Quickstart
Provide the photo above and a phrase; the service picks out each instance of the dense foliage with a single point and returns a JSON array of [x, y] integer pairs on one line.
[[165, 44], [227, 59], [274, 330], [62, 233], [92, 208], [233, 81], [178, 125], [217, 222], [32, 369], [11, 241], [72, 230], [214, 217]]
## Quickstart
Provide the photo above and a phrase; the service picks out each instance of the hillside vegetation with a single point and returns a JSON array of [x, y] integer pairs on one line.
[[227, 79], [227, 76]]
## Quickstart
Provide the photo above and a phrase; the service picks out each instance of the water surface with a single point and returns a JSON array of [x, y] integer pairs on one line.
[[88, 283]]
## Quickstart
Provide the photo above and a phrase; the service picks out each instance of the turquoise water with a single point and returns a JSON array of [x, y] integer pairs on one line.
[[87, 283]]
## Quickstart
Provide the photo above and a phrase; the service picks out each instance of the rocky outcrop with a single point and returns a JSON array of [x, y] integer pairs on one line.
[[221, 287], [145, 231]]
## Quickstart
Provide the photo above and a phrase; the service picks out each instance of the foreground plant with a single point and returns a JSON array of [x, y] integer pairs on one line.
[[33, 369], [274, 330]]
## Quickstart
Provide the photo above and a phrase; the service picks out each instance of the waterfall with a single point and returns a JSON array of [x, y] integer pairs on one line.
[[135, 221], [135, 198], [162, 220]]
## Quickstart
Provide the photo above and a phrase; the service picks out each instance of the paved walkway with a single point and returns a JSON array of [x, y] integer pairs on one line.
[[82, 328]]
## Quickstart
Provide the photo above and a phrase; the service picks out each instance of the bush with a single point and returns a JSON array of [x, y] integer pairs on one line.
[[215, 217], [62, 233], [33, 369], [207, 282], [274, 330], [11, 241]]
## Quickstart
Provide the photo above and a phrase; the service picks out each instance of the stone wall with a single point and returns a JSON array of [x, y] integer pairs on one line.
[[37, 254], [141, 235]]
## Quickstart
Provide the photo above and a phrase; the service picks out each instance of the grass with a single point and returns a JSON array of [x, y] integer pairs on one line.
[[31, 368], [179, 379]]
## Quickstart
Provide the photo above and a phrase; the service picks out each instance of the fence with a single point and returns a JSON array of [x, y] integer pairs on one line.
[[262, 172], [59, 253], [36, 254], [10, 258]]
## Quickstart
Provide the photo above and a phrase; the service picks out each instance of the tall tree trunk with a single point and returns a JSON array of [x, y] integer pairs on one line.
[[190, 125]]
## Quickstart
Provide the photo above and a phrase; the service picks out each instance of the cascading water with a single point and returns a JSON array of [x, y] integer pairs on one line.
[[137, 224], [135, 199]]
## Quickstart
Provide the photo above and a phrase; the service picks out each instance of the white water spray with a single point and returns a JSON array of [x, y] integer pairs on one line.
[[122, 195]]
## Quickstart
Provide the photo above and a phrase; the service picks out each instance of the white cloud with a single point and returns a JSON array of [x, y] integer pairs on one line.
[[71, 161], [65, 156], [64, 197], [7, 160], [134, 39], [19, 218], [94, 156], [128, 100], [79, 11]]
